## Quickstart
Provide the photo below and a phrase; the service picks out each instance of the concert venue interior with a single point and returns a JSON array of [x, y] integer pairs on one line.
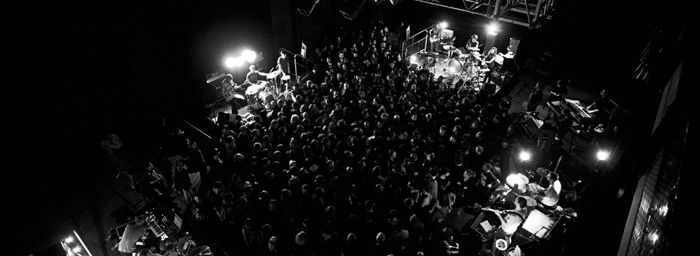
[[353, 127]]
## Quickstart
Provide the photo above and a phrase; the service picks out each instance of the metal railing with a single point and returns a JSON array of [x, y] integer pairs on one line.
[[415, 43]]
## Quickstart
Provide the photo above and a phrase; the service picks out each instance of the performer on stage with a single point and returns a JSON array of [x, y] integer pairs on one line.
[[473, 63], [490, 62], [434, 38], [558, 91], [549, 196], [473, 43], [253, 75], [283, 63]]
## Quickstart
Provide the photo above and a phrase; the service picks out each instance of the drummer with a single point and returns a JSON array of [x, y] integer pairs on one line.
[[473, 43], [253, 76], [549, 196]]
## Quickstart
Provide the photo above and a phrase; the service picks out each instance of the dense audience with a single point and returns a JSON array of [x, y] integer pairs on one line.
[[369, 156]]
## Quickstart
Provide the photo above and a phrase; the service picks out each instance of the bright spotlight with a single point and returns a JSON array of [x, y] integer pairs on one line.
[[492, 29], [249, 55], [232, 62], [524, 156], [68, 239], [442, 25], [77, 249], [603, 155], [413, 58]]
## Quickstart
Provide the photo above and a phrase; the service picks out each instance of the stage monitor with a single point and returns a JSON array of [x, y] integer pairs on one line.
[[538, 224]]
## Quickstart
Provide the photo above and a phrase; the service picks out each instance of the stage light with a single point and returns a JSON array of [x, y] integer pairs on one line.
[[249, 55], [493, 29], [442, 25], [413, 59], [77, 249], [654, 237], [663, 210], [603, 155], [232, 62], [524, 156], [68, 239]]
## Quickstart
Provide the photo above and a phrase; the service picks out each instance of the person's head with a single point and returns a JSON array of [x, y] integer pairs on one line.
[[300, 238], [351, 238], [380, 237], [272, 243], [474, 37], [479, 150], [493, 50], [561, 83], [604, 93], [283, 54], [252, 68]]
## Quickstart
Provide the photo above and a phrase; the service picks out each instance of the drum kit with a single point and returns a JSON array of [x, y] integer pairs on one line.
[[460, 62], [258, 94]]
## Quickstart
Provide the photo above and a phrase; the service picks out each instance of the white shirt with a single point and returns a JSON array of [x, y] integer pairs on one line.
[[551, 195]]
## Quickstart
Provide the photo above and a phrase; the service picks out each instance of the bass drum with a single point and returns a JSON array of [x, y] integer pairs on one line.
[[448, 68]]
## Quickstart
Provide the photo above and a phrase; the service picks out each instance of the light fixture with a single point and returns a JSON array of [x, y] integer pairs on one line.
[[77, 249], [68, 239], [442, 25], [524, 156], [603, 155], [493, 28], [249, 55], [232, 62], [413, 58]]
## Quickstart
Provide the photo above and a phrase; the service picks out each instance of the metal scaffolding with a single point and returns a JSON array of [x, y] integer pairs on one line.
[[528, 13]]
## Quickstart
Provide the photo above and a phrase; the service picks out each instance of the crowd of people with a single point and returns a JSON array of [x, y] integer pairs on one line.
[[370, 157]]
